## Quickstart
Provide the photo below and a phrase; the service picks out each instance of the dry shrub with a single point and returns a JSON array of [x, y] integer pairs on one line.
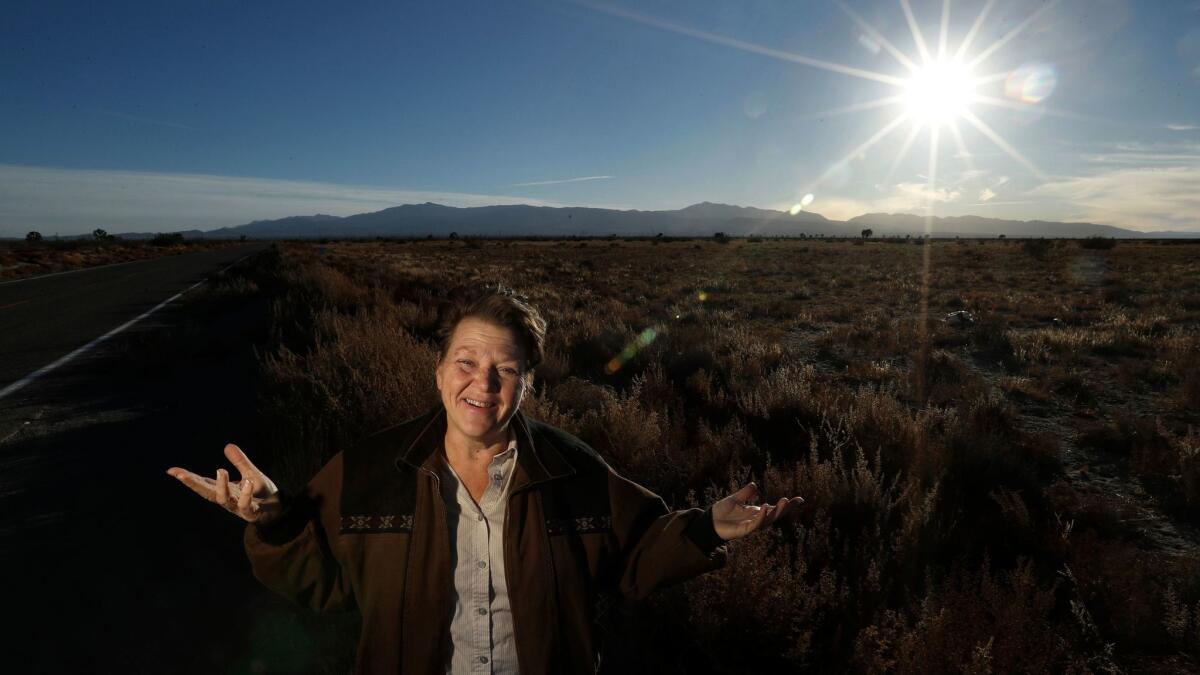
[[980, 622], [1187, 365], [847, 556], [943, 378], [365, 372], [936, 534], [1114, 334], [1168, 462]]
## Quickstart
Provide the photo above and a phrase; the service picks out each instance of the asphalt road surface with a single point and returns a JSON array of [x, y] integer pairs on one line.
[[109, 565], [44, 318]]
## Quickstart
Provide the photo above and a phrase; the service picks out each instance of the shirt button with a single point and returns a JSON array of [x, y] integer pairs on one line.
[[481, 564], [478, 517], [481, 611], [483, 659]]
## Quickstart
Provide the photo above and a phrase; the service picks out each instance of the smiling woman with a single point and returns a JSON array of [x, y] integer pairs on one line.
[[474, 538], [486, 350]]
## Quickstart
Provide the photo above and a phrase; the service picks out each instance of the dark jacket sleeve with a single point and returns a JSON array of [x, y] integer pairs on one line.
[[659, 547], [295, 556]]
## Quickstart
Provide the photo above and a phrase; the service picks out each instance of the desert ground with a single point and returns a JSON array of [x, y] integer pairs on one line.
[[998, 441], [23, 259]]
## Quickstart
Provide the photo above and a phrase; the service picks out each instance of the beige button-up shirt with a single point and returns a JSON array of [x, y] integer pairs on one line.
[[481, 630]]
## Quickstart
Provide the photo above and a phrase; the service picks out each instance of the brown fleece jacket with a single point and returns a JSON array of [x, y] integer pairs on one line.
[[369, 533]]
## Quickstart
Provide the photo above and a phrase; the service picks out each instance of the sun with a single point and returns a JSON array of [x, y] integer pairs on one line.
[[937, 88], [938, 93]]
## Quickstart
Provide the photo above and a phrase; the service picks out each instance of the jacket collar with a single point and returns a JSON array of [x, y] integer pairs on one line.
[[538, 458]]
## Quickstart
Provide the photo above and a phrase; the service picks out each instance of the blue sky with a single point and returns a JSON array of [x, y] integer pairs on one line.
[[172, 115]]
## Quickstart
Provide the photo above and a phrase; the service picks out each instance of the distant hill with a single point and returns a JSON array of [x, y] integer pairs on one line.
[[884, 224], [703, 219], [422, 219]]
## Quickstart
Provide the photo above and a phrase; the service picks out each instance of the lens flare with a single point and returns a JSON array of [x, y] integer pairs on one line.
[[802, 204], [631, 350], [1031, 83]]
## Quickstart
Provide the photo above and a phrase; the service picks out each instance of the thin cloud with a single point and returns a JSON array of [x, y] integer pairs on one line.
[[1006, 203], [1182, 127], [561, 180], [1145, 155], [1142, 198], [143, 120], [923, 194], [68, 201], [900, 198]]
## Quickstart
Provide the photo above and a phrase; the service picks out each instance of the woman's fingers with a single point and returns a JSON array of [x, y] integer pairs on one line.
[[263, 485], [755, 521], [205, 487], [775, 510], [223, 488], [245, 502], [240, 461], [239, 497]]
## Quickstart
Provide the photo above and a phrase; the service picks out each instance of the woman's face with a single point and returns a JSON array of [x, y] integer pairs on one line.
[[480, 379]]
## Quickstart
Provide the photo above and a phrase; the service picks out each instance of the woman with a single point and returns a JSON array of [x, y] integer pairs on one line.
[[474, 538]]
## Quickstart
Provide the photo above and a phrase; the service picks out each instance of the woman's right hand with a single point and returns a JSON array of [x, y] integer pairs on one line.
[[254, 498]]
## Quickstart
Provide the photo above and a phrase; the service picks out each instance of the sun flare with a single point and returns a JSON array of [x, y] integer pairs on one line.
[[939, 93], [938, 87]]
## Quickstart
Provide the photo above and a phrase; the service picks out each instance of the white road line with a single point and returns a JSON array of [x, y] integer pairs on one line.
[[66, 359], [14, 433]]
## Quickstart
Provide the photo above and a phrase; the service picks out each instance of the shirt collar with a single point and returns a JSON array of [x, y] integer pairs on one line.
[[418, 439]]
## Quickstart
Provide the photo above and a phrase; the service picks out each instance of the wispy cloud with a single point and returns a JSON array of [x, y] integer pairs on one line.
[[922, 193], [1146, 155], [1182, 127], [900, 198], [69, 201], [561, 180], [1141, 198], [143, 120], [1142, 186]]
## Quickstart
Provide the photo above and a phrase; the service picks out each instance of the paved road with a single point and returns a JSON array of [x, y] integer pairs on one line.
[[114, 566], [44, 318]]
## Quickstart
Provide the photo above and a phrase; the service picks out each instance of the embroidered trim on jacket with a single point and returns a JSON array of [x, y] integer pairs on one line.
[[376, 523], [584, 525]]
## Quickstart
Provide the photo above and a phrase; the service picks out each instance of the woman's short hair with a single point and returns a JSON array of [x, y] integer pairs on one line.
[[499, 305]]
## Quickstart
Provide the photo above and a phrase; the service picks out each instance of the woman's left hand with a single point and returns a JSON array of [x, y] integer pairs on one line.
[[739, 514]]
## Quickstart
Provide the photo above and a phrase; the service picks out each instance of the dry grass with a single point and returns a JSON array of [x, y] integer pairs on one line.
[[19, 259], [940, 533]]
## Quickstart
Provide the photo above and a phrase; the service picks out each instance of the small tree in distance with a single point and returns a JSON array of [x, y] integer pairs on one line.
[[99, 234], [33, 237], [866, 234]]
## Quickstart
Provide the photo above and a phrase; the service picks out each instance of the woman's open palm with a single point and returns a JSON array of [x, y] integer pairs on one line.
[[254, 497], [738, 515]]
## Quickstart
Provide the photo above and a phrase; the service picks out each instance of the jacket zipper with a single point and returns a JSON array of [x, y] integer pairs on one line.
[[439, 507], [508, 566]]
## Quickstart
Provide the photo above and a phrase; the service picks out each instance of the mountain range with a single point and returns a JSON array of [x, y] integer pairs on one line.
[[704, 219]]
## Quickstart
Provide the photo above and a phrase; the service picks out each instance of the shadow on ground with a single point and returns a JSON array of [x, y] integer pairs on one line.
[[110, 563]]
